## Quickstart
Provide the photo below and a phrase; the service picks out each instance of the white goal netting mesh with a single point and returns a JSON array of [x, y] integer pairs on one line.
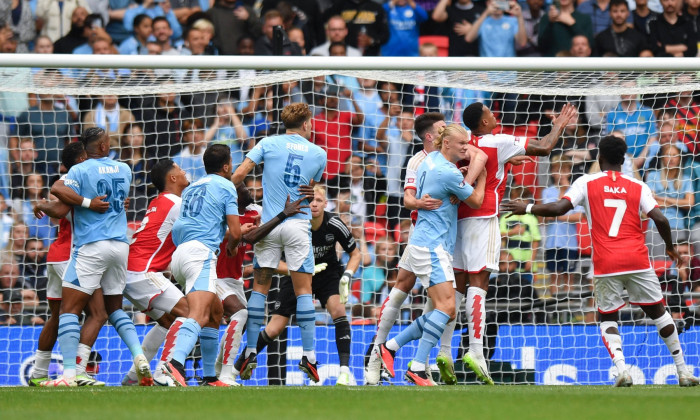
[[541, 319]]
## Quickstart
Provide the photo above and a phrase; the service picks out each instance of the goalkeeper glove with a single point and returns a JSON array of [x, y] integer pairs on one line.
[[344, 287], [319, 267]]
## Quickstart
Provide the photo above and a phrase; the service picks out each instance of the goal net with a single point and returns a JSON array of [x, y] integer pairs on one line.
[[541, 317]]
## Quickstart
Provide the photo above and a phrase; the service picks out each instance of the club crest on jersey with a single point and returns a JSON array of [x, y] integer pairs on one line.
[[614, 190], [330, 237], [411, 180]]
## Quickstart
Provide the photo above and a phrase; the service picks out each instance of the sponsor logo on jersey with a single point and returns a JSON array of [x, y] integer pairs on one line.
[[614, 190], [330, 238]]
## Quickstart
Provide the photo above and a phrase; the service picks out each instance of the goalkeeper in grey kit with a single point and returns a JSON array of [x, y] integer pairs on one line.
[[330, 286]]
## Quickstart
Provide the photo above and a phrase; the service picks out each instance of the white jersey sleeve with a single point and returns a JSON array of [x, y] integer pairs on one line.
[[167, 227], [577, 192], [647, 202], [410, 183], [508, 146]]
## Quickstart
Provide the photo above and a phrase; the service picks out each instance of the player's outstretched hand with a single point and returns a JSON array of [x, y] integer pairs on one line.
[[38, 213], [319, 267], [519, 160], [514, 207], [247, 227], [307, 191], [292, 208], [674, 255], [98, 204], [568, 114], [429, 203]]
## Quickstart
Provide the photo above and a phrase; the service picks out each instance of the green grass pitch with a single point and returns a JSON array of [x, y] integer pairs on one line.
[[359, 403]]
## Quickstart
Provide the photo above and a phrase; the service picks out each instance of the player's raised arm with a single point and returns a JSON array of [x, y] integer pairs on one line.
[[558, 208], [290, 209], [544, 146], [242, 171], [55, 209]]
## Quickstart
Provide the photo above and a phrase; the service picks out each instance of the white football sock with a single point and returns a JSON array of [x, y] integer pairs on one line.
[[476, 298], [389, 314], [613, 342], [230, 343], [83, 357], [446, 339], [42, 360], [310, 356], [672, 342]]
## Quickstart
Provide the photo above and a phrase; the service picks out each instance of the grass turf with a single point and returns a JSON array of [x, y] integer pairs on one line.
[[276, 403]]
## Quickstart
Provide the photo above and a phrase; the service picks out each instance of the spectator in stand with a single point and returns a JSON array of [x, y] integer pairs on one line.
[[193, 145], [153, 9], [560, 25], [687, 116], [382, 271], [33, 268], [56, 17], [512, 287], [332, 129], [689, 267], [642, 16], [17, 15], [668, 134], [336, 31], [6, 223], [136, 45], [638, 124], [207, 28], [18, 239], [131, 152], [691, 10], [459, 14], [109, 116], [499, 35], [228, 129], [115, 27], [163, 33], [232, 20], [264, 44], [16, 299], [25, 166], [580, 47], [619, 39], [296, 36], [305, 15], [368, 28], [183, 9], [338, 49], [79, 33], [362, 186], [43, 45], [672, 189], [164, 130], [561, 239], [599, 11], [49, 127], [405, 18], [374, 136], [672, 35], [532, 15], [521, 234], [92, 31], [692, 167], [34, 192], [400, 138]]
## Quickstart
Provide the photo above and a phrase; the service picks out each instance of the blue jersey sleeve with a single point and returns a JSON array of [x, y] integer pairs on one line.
[[322, 157], [454, 184], [257, 153], [231, 204], [73, 179]]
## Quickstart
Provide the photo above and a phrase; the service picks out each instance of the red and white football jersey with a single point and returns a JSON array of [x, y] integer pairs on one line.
[[613, 204], [410, 183], [499, 148], [232, 268], [152, 245], [61, 248]]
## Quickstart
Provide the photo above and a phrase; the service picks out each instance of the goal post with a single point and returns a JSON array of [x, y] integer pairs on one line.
[[541, 315]]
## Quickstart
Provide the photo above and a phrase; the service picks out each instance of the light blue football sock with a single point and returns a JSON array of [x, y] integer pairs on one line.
[[186, 340], [432, 330], [68, 338], [412, 332], [306, 319], [126, 330], [209, 341], [256, 317]]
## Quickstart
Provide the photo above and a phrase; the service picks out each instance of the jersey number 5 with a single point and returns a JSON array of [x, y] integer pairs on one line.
[[115, 195], [620, 207], [292, 172]]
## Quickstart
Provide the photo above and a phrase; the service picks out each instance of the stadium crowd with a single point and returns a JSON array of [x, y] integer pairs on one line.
[[366, 126]]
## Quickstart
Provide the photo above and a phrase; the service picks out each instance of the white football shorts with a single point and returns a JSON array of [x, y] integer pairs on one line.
[[642, 287], [293, 238], [228, 286], [54, 286], [430, 266], [478, 245], [151, 293], [98, 264], [194, 266]]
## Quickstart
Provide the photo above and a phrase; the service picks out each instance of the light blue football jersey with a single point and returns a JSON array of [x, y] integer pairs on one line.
[[93, 178], [290, 160], [440, 178], [205, 205]]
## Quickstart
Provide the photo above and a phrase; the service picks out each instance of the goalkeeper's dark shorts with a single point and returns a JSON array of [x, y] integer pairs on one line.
[[324, 285]]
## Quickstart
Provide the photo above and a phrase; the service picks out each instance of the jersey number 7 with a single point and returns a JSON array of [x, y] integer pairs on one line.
[[620, 207]]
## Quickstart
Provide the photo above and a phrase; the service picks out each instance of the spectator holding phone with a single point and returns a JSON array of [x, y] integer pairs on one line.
[[561, 23], [497, 33]]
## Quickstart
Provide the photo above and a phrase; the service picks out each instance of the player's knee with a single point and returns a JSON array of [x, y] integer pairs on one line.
[[181, 308]]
